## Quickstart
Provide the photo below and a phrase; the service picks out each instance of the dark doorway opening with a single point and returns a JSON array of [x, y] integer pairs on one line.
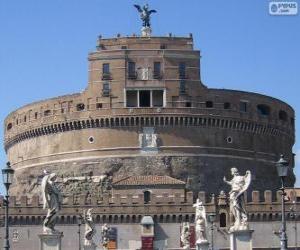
[[145, 98]]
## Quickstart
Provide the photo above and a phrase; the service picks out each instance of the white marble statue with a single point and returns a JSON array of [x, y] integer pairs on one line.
[[200, 222], [185, 235], [51, 200], [239, 184], [105, 236], [90, 229], [145, 73]]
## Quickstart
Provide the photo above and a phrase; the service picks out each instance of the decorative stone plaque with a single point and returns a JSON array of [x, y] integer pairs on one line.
[[148, 140]]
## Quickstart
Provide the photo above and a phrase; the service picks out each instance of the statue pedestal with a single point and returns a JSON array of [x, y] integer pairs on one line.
[[50, 241], [241, 240], [202, 245], [91, 247], [146, 32]]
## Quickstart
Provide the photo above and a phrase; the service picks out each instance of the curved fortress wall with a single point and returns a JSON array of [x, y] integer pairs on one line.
[[145, 111]]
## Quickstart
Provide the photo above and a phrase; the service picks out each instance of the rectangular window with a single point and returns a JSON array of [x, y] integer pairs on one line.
[[105, 89], [227, 105], [105, 71], [144, 98], [182, 87], [293, 122], [188, 104], [105, 68], [209, 104], [131, 70], [243, 106], [131, 98], [157, 98], [182, 69], [156, 72]]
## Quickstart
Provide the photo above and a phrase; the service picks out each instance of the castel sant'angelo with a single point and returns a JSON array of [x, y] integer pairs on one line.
[[147, 137]]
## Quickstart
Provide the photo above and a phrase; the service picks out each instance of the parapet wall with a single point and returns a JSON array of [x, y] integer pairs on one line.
[[155, 200], [167, 208]]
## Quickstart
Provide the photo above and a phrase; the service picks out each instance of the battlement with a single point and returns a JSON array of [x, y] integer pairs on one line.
[[130, 209], [138, 200], [138, 42]]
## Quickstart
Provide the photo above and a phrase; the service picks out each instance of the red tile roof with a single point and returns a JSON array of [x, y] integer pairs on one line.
[[147, 180]]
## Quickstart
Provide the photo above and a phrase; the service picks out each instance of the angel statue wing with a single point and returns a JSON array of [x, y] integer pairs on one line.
[[247, 180], [152, 11], [138, 7]]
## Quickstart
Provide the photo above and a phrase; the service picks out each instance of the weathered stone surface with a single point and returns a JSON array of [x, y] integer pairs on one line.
[[200, 170], [241, 240], [51, 241]]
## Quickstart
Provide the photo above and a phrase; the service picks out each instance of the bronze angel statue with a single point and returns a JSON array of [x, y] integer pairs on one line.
[[145, 14], [239, 184]]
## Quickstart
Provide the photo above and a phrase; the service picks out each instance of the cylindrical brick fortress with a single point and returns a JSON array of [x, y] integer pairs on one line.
[[145, 111]]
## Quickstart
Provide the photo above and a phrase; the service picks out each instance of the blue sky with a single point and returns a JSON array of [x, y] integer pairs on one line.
[[44, 46]]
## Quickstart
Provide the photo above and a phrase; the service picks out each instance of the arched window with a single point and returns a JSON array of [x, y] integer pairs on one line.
[[161, 218], [80, 107], [283, 115], [147, 196], [223, 220], [263, 109], [9, 126], [47, 112]]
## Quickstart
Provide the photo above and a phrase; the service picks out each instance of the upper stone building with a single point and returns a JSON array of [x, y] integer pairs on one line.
[[145, 111]]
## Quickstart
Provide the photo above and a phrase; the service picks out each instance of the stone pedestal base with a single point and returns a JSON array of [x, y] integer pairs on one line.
[[202, 246], [50, 241], [241, 240], [92, 247], [146, 31]]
